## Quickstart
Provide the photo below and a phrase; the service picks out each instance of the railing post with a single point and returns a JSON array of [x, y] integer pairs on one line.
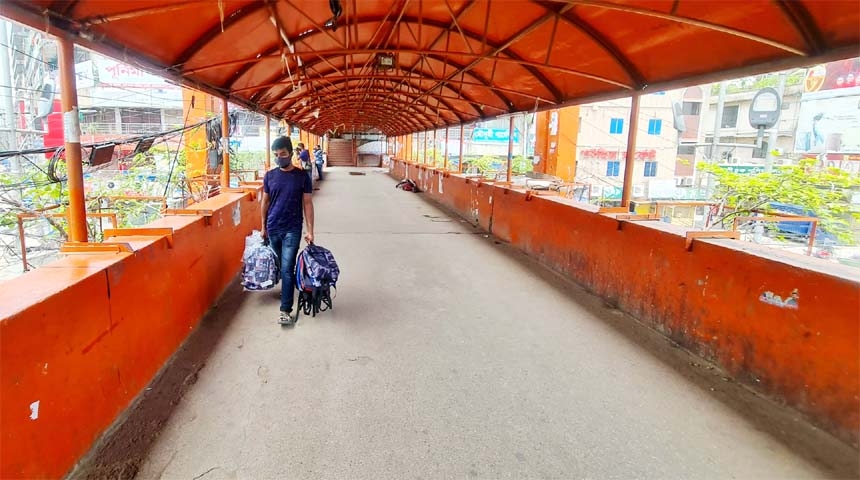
[[460, 161], [72, 134], [445, 166], [268, 143], [225, 140], [510, 148], [629, 165], [434, 147]]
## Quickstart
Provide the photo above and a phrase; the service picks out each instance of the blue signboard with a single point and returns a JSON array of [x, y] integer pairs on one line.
[[493, 135]]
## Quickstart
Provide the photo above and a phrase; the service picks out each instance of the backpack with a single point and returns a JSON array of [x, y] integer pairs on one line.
[[316, 274], [260, 264], [408, 185]]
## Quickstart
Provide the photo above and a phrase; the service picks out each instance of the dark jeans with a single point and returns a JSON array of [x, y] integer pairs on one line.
[[286, 246], [319, 170]]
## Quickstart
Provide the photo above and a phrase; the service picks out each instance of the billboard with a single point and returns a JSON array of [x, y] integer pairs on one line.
[[829, 118], [112, 73], [494, 135]]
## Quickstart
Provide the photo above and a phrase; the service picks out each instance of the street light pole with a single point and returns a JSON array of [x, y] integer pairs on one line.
[[715, 148], [774, 132]]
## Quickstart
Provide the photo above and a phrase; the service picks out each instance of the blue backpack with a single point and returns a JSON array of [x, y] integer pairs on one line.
[[316, 274]]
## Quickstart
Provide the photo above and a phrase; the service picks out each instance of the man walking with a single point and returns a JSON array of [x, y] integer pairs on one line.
[[305, 160], [287, 199], [318, 160]]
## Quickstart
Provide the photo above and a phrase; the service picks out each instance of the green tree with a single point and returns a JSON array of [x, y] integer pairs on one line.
[[823, 191], [521, 165]]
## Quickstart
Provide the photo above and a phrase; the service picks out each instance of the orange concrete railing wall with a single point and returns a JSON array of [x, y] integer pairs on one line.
[[80, 338], [708, 299]]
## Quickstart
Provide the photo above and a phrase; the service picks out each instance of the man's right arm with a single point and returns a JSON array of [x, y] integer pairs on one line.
[[264, 210]]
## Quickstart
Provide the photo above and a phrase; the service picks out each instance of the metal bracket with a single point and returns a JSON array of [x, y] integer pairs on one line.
[[141, 232], [109, 247], [636, 218], [250, 190], [613, 210], [717, 234], [206, 214]]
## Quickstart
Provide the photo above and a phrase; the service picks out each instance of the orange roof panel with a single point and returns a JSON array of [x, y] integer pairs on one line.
[[454, 61]]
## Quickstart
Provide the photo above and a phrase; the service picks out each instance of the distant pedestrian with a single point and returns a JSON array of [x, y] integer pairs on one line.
[[318, 160]]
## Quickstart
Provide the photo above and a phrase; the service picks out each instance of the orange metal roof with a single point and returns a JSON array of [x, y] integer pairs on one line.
[[455, 60]]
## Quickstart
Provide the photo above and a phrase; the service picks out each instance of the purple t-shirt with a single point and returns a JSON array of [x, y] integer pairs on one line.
[[285, 190], [305, 158]]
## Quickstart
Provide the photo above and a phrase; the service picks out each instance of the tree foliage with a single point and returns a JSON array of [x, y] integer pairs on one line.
[[824, 192], [498, 163]]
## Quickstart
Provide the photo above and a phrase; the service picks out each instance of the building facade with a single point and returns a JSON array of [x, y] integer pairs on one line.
[[662, 125]]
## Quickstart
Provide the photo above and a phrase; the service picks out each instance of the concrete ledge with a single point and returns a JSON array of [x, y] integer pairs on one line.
[[711, 299], [80, 338]]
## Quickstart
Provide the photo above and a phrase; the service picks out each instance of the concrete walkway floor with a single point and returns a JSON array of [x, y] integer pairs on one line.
[[449, 355]]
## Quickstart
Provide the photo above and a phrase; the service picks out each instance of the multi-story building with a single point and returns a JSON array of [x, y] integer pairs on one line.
[[738, 137], [665, 119], [119, 100]]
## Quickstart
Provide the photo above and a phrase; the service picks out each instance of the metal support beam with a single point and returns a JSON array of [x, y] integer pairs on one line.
[[425, 149], [629, 165], [460, 160], [268, 144], [716, 154], [8, 94], [445, 166], [434, 147], [773, 140], [510, 148], [72, 135], [225, 140]]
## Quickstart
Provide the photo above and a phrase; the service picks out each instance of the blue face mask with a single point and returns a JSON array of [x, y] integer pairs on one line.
[[284, 162]]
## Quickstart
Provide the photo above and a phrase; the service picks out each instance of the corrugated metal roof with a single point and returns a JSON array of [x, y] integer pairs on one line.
[[454, 61]]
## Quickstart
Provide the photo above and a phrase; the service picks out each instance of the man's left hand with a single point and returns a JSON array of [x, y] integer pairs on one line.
[[309, 237]]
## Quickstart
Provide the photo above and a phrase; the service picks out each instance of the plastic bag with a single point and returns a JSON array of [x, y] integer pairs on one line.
[[260, 270]]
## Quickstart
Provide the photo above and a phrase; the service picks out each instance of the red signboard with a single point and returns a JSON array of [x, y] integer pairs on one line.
[[611, 154]]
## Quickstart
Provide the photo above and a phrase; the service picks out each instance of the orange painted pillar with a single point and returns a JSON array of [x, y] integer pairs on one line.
[[196, 108], [268, 143], [72, 134], [407, 147], [434, 147], [629, 165], [445, 166], [425, 148], [510, 148], [555, 142], [542, 141], [460, 161], [225, 140]]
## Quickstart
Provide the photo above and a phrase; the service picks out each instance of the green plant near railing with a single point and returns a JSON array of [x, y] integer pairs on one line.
[[823, 191], [248, 161], [521, 165], [498, 163]]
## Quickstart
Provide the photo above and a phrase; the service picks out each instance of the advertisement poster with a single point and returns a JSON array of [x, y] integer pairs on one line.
[[829, 120], [112, 73]]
